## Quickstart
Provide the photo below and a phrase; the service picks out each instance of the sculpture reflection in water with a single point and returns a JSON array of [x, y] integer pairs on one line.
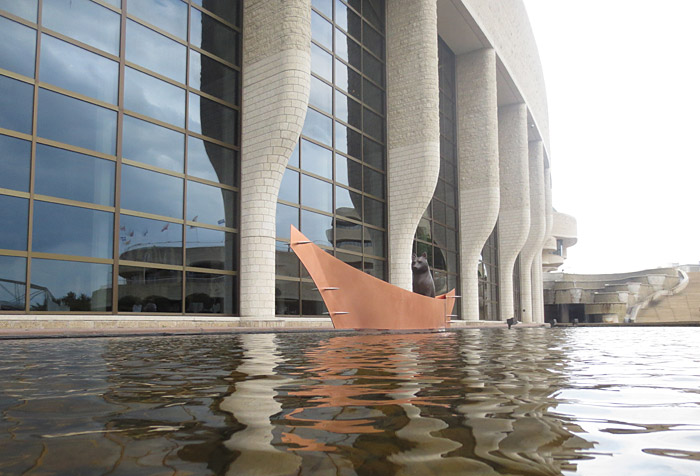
[[400, 404]]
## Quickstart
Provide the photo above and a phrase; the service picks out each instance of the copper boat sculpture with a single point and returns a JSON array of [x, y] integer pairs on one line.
[[356, 300]]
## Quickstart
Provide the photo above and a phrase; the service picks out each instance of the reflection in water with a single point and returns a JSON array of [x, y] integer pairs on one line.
[[478, 401]]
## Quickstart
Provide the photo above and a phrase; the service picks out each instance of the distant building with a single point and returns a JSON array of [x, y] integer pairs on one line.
[[154, 154]]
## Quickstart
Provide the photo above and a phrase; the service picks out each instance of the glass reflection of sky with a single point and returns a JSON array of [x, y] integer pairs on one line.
[[16, 99], [85, 21], [62, 277], [169, 15], [14, 216], [211, 205], [78, 70], [162, 55], [24, 9], [65, 174], [151, 192], [153, 145], [212, 162], [63, 229], [13, 275], [316, 227], [321, 63], [75, 122], [17, 46], [14, 163], [318, 127], [154, 98]]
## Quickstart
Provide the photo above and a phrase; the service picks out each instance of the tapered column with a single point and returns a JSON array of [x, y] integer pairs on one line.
[[276, 78], [413, 124], [533, 245], [477, 149], [537, 273], [514, 215]]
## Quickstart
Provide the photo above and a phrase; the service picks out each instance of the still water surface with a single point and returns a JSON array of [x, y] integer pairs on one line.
[[477, 402]]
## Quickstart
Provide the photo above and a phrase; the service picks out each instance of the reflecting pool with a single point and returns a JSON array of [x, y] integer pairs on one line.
[[528, 401]]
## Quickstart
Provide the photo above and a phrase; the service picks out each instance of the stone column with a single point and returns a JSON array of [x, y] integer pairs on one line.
[[537, 274], [514, 215], [533, 245], [477, 152], [413, 125], [276, 79]]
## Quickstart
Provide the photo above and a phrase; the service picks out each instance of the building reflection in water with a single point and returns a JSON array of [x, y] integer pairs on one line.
[[401, 404]]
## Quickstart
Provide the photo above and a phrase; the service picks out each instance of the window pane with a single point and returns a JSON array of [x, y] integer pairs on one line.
[[348, 20], [151, 192], [212, 119], [287, 298], [85, 21], [154, 51], [321, 63], [213, 36], [348, 49], [212, 162], [149, 290], [373, 153], [373, 10], [155, 241], [373, 96], [374, 183], [374, 242], [348, 110], [14, 216], [353, 260], [286, 216], [169, 15], [321, 30], [348, 79], [213, 78], [17, 46], [67, 230], [286, 262], [75, 122], [318, 228], [211, 248], [348, 236], [153, 145], [348, 172], [211, 205], [348, 204], [311, 301], [323, 6], [374, 212], [209, 293], [155, 98], [70, 286], [373, 68], [373, 124], [289, 188], [375, 267], [16, 100], [14, 163], [60, 173], [316, 194], [226, 9], [373, 40], [321, 95], [348, 141], [318, 127], [78, 70], [13, 279], [25, 8], [316, 159]]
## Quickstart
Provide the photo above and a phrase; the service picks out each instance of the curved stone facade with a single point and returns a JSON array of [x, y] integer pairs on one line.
[[413, 125], [276, 77]]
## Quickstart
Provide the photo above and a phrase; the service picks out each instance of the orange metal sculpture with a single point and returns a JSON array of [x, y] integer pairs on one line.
[[356, 300]]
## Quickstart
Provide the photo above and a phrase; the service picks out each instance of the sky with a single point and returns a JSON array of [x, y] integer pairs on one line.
[[623, 88]]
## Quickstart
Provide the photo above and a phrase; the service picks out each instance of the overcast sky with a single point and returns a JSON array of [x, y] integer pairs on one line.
[[623, 87]]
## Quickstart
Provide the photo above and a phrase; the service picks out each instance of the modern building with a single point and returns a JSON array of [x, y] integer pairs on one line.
[[154, 154]]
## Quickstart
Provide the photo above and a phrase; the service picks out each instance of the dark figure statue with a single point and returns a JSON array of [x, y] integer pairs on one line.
[[422, 279]]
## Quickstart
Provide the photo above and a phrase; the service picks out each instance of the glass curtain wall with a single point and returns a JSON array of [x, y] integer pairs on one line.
[[334, 188], [119, 146], [438, 233], [488, 279], [517, 295]]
